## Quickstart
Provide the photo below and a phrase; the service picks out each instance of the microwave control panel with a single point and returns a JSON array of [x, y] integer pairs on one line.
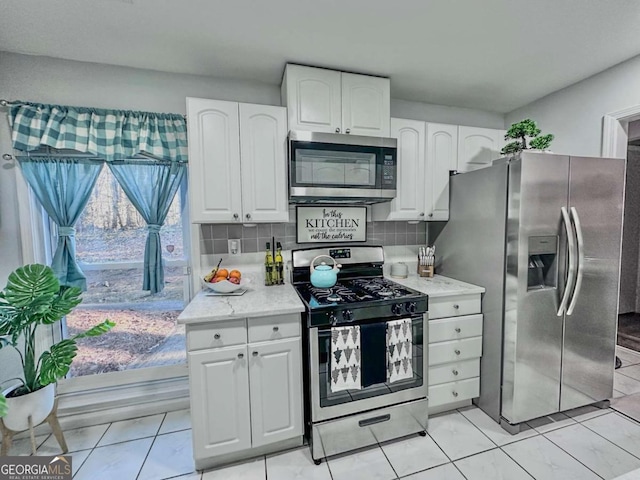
[[389, 171]]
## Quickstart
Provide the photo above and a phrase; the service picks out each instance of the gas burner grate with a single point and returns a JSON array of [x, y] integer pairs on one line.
[[381, 287]]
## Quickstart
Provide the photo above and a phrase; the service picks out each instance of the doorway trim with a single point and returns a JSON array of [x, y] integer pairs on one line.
[[615, 136]]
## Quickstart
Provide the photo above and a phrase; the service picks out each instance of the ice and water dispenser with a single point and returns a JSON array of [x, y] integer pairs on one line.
[[543, 262]]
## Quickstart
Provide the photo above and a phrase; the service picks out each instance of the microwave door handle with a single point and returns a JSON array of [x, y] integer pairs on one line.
[[580, 238], [572, 262]]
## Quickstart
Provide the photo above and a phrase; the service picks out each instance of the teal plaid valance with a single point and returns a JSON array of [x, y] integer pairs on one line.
[[108, 134]]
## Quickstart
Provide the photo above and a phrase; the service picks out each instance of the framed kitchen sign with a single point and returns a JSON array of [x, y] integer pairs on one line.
[[326, 224]]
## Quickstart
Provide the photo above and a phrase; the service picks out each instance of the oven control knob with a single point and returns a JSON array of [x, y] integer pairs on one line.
[[396, 309], [347, 315], [412, 307], [333, 319]]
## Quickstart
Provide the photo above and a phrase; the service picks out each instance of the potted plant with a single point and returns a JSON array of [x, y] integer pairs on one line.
[[33, 298], [520, 131]]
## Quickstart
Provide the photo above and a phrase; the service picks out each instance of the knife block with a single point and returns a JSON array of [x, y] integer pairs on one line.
[[425, 270]]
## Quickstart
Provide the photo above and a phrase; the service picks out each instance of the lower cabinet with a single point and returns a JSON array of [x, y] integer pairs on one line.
[[244, 396]]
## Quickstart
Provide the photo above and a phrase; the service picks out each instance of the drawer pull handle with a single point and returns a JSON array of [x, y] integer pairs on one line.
[[457, 352], [456, 306], [373, 420], [255, 354], [458, 330], [241, 356], [275, 329], [455, 372], [217, 336], [455, 394]]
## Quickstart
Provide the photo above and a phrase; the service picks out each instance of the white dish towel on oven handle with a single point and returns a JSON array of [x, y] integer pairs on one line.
[[399, 350], [345, 359]]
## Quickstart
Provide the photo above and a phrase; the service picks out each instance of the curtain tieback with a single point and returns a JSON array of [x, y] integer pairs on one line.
[[66, 231], [153, 228]]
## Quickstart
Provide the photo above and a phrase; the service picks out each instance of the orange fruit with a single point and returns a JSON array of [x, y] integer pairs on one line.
[[219, 279], [223, 272], [235, 273], [235, 280]]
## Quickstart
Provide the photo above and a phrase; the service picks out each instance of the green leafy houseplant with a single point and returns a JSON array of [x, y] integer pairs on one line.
[[31, 298], [520, 131]]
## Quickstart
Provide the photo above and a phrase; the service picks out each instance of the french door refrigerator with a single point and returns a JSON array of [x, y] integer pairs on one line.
[[542, 233]]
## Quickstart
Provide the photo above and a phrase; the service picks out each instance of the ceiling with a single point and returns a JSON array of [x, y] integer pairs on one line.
[[494, 55]]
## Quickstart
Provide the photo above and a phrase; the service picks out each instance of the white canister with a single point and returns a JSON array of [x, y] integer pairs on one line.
[[399, 270]]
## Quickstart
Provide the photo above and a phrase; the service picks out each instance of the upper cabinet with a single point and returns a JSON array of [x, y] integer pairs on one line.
[[237, 162], [322, 100], [442, 157], [478, 147]]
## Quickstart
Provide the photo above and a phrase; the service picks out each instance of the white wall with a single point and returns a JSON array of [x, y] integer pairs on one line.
[[428, 112], [574, 114]]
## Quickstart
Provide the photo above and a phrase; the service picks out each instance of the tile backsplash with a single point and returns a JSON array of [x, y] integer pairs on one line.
[[214, 238]]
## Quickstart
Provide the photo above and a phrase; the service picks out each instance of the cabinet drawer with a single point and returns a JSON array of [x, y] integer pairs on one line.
[[219, 334], [454, 306], [453, 392], [455, 350], [453, 372], [455, 328], [274, 327]]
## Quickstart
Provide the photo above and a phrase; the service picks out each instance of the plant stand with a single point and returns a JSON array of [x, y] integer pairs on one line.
[[52, 420]]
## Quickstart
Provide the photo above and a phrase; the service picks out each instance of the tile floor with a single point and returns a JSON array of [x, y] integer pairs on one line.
[[586, 443]]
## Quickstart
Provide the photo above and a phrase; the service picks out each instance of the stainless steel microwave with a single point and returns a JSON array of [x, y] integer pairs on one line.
[[341, 168]]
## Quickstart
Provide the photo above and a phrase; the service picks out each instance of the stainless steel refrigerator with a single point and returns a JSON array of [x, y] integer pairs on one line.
[[542, 233]]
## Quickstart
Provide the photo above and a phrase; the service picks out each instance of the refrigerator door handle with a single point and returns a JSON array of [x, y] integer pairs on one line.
[[580, 238], [568, 288]]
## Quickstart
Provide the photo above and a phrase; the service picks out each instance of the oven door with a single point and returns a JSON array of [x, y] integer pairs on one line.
[[326, 405]]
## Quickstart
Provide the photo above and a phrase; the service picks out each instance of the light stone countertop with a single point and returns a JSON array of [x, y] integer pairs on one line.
[[438, 286], [258, 301]]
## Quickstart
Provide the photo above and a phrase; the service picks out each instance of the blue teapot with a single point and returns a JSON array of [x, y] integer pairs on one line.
[[324, 276]]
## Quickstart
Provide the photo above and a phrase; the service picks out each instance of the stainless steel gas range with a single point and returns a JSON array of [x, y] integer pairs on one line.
[[366, 353]]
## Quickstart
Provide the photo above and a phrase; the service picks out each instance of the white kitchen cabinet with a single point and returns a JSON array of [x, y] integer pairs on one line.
[[321, 100], [478, 147], [237, 162], [219, 387], [366, 105], [214, 161], [263, 137], [442, 157], [275, 379]]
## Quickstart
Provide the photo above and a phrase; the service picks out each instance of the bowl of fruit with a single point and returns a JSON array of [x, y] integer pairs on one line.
[[221, 280]]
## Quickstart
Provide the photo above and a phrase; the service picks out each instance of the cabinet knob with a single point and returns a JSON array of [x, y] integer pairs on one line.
[[337, 130], [458, 330], [236, 216], [255, 354], [422, 214], [248, 215], [347, 131], [276, 328], [431, 215], [217, 336], [455, 394], [457, 352], [456, 306], [455, 372], [241, 356]]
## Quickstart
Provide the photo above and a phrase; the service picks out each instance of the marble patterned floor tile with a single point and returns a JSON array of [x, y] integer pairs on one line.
[[176, 421], [491, 465], [133, 429], [121, 461], [492, 429], [77, 439], [625, 384], [413, 454], [628, 357], [22, 446], [189, 476], [78, 458], [594, 451], [170, 456], [457, 436], [544, 460], [370, 464], [587, 412], [250, 470], [296, 464], [632, 371], [443, 472], [551, 422], [617, 429]]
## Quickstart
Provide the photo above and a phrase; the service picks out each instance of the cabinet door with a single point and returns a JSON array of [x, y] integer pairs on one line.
[[312, 97], [442, 156], [263, 137], [276, 390], [219, 383], [366, 105], [410, 197], [478, 147], [214, 161]]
